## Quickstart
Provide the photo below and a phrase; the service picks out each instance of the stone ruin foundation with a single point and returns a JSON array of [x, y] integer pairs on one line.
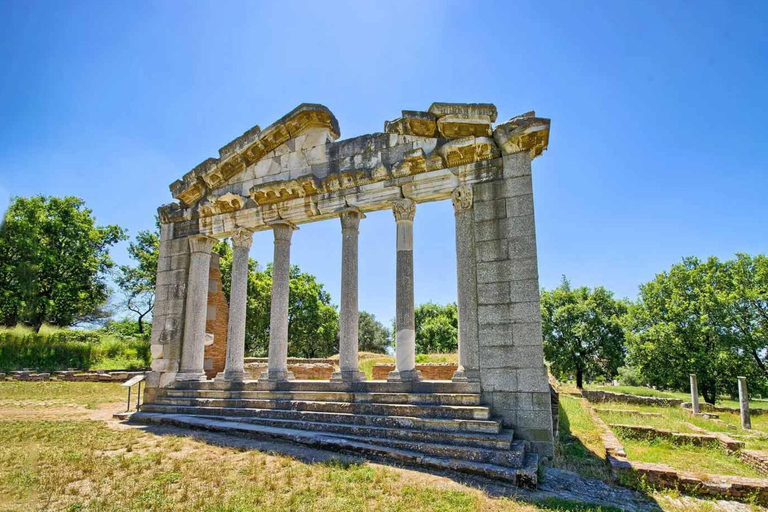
[[296, 171]]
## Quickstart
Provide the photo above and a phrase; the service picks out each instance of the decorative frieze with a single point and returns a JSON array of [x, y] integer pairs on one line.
[[467, 150], [226, 203], [523, 133], [462, 198]]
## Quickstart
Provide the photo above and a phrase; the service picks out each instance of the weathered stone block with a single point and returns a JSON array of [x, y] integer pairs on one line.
[[520, 247], [520, 227], [487, 191], [513, 187], [490, 210], [493, 293], [510, 357], [498, 379], [525, 311], [494, 314], [519, 206], [527, 333], [534, 379], [524, 290], [516, 164], [490, 230], [493, 335], [491, 250]]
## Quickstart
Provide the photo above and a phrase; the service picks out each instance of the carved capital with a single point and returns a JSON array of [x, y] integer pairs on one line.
[[350, 219], [462, 198], [201, 243], [404, 210], [242, 238]]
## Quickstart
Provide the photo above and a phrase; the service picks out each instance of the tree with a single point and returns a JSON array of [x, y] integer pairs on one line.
[[313, 322], [138, 282], [53, 261], [437, 328], [683, 324], [372, 335], [583, 335]]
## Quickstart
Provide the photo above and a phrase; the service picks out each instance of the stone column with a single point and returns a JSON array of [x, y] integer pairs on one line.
[[278, 321], [746, 421], [238, 297], [466, 268], [694, 395], [405, 337], [193, 349], [349, 314]]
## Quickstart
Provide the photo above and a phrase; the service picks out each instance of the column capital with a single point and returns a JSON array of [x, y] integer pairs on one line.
[[283, 230], [404, 210], [350, 218], [242, 237], [201, 243], [462, 198]]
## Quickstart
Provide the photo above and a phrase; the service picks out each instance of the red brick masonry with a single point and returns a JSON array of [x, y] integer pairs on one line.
[[216, 323], [429, 371]]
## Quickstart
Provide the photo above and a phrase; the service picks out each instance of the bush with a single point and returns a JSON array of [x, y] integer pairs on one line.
[[63, 349], [631, 376]]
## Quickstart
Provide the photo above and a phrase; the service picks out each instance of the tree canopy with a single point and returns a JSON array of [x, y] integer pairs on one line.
[[437, 328], [372, 335], [583, 335], [138, 282], [54, 260]]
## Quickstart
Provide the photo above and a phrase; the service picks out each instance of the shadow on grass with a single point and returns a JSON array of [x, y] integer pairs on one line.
[[558, 496]]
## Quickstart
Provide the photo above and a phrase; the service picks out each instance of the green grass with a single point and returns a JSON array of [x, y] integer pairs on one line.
[[723, 401], [696, 459], [368, 360], [87, 394], [579, 447]]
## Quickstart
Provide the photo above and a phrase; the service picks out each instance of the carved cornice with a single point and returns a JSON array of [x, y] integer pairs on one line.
[[242, 238], [462, 198], [226, 203], [278, 191], [468, 150], [414, 162], [419, 124], [404, 210], [201, 244], [523, 133]]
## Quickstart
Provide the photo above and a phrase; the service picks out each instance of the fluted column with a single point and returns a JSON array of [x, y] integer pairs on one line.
[[349, 314], [405, 337], [238, 297], [278, 321], [193, 349], [466, 281]]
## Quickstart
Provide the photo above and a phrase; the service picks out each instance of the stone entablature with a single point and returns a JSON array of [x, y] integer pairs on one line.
[[295, 171]]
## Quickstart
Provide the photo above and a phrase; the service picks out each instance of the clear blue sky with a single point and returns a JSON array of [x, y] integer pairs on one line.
[[658, 148]]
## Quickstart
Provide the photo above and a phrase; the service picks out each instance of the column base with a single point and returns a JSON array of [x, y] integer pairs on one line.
[[404, 376], [187, 376], [348, 376], [276, 375], [226, 376], [463, 375]]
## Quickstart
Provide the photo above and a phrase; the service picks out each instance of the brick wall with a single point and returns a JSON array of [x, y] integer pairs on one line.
[[308, 371], [216, 322], [756, 459], [429, 371]]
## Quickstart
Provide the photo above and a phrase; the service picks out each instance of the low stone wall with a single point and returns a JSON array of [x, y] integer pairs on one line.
[[703, 406], [312, 371], [727, 443], [429, 371], [631, 411], [596, 396], [296, 360], [659, 433], [72, 376], [756, 459]]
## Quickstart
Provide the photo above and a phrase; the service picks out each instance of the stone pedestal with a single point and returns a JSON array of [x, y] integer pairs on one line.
[[238, 296], [405, 336], [348, 314], [694, 395], [746, 421], [466, 268], [277, 369], [193, 350]]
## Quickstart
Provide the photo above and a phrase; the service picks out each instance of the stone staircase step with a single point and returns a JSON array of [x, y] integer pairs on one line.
[[526, 475], [368, 386], [418, 411], [467, 399], [435, 424], [500, 441]]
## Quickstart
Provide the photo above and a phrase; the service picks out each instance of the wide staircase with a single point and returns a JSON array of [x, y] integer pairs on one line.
[[434, 424]]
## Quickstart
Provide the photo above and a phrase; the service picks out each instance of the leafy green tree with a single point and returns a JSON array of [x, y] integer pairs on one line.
[[745, 299], [372, 335], [138, 282], [583, 335], [683, 324], [437, 328], [313, 322], [54, 260]]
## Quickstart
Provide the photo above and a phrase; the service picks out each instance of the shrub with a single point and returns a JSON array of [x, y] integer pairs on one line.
[[63, 349]]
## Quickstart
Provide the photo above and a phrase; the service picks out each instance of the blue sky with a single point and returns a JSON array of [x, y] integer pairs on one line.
[[658, 146]]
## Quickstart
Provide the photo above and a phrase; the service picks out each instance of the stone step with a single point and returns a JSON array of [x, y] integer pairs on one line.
[[500, 441], [368, 386], [417, 411], [526, 475], [468, 399], [435, 424]]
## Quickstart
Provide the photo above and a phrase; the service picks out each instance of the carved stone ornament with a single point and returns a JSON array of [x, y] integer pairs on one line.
[[350, 219], [404, 210], [242, 238], [462, 198]]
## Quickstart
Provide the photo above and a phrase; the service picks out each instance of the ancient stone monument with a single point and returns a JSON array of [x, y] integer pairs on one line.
[[497, 406]]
